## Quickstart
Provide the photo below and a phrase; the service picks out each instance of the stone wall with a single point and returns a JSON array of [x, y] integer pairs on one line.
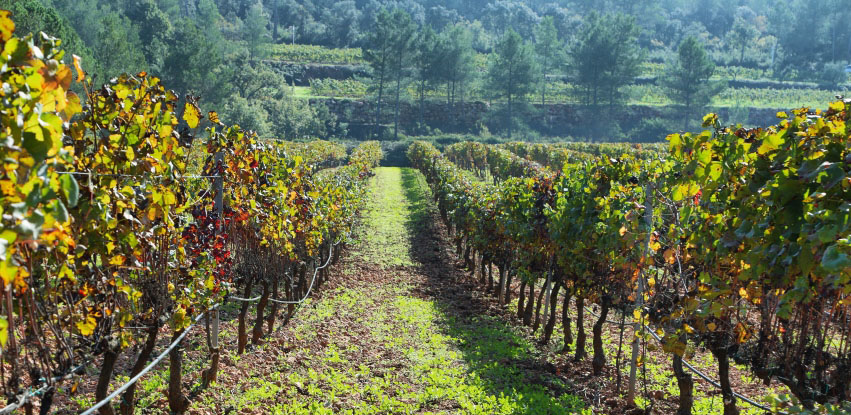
[[470, 117], [303, 73]]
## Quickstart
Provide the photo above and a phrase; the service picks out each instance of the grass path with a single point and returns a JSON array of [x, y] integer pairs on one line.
[[393, 334]]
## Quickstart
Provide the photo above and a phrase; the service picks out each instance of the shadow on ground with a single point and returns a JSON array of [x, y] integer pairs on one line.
[[507, 363]]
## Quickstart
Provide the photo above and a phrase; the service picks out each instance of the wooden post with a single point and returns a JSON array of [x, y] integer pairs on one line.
[[218, 185], [639, 294]]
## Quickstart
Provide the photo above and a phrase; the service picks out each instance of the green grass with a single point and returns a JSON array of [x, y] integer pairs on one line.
[[384, 238]]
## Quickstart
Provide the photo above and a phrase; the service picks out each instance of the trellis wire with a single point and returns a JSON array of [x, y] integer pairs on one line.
[[26, 396], [177, 341], [309, 289], [695, 370], [148, 368]]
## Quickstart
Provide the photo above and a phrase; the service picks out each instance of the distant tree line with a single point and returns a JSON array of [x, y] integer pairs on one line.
[[603, 57], [216, 48]]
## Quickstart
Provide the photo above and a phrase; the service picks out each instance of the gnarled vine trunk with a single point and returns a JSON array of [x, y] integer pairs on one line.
[[242, 336], [257, 332], [177, 402], [599, 354], [102, 389], [530, 305], [551, 322], [128, 400], [580, 329], [686, 385], [565, 321], [723, 358]]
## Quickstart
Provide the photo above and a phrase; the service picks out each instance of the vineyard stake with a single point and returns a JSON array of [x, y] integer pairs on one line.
[[218, 184], [639, 294]]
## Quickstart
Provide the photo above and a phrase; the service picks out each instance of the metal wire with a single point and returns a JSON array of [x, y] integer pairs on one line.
[[309, 289], [85, 173], [26, 396], [148, 368], [698, 372]]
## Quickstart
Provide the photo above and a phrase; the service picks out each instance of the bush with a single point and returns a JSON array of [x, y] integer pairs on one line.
[[651, 130]]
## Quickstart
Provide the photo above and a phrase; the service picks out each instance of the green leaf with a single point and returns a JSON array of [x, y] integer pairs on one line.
[[70, 189], [827, 234], [38, 148], [835, 261], [59, 211], [714, 171], [31, 225], [771, 142]]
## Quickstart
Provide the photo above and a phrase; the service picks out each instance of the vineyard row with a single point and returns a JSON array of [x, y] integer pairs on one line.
[[733, 240], [121, 222]]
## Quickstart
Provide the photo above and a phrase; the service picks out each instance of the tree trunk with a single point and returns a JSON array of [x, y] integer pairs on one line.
[[46, 401], [378, 109], [422, 107], [483, 276], [565, 322], [580, 329], [540, 302], [490, 277], [530, 305], [102, 389], [509, 276], [273, 311], [600, 354], [501, 287], [551, 323], [257, 332], [510, 116], [177, 402], [396, 112], [242, 336], [618, 355], [686, 386], [724, 380], [128, 400], [522, 300], [288, 292]]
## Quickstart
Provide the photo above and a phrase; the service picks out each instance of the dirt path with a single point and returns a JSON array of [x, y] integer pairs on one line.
[[396, 331]]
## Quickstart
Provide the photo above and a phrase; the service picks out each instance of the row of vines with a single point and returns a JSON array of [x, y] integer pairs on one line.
[[732, 240], [120, 225]]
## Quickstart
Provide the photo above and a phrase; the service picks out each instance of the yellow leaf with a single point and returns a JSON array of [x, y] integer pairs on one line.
[[743, 293], [688, 329], [669, 256], [623, 230], [214, 117], [152, 212], [711, 326], [81, 74], [636, 314], [655, 246], [7, 26], [117, 260], [191, 114], [742, 333], [87, 327], [4, 331]]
